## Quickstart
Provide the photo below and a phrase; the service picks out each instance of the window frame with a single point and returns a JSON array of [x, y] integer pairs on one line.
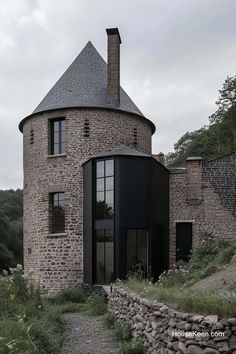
[[52, 229], [60, 143]]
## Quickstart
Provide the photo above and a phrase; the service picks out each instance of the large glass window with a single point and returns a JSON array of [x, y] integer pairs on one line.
[[58, 136], [137, 250], [57, 213], [105, 258], [104, 189]]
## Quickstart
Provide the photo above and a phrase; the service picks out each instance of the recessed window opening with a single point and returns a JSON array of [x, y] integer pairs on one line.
[[57, 212], [58, 136]]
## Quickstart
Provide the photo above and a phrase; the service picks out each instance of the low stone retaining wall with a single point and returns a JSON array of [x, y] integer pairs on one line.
[[166, 331]]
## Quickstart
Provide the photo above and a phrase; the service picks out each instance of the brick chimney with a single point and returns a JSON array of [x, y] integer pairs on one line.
[[113, 66], [194, 180]]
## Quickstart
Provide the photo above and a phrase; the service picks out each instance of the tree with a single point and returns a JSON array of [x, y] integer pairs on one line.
[[216, 139]]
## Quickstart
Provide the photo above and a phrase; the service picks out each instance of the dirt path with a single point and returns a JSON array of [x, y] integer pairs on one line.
[[86, 335]]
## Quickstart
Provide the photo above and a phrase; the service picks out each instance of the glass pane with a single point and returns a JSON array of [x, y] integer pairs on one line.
[[131, 250], [62, 151], [56, 150], [63, 123], [100, 196], [109, 168], [61, 199], [63, 138], [109, 197], [56, 137], [109, 261], [100, 263], [109, 211], [55, 199], [100, 235], [58, 219], [56, 127], [109, 183], [100, 169], [100, 206], [142, 249], [100, 184]]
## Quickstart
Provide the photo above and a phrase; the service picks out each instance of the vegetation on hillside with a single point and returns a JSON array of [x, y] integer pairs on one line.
[[174, 287], [218, 138], [11, 233]]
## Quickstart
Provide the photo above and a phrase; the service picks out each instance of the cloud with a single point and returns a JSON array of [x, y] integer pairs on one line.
[[175, 56]]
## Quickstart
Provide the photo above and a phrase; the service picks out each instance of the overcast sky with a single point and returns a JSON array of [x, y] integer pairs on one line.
[[175, 55]]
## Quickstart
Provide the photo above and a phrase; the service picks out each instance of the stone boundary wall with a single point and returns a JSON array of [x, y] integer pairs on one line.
[[166, 331]]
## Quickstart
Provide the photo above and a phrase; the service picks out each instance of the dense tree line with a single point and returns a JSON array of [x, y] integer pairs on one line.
[[216, 139], [11, 233]]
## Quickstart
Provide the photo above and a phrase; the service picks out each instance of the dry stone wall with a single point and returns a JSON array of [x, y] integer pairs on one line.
[[163, 330]]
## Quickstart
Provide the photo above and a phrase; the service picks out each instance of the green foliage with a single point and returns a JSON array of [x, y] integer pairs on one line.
[[216, 139], [96, 305], [69, 295], [122, 332], [109, 320], [173, 286], [27, 324], [11, 230], [132, 347]]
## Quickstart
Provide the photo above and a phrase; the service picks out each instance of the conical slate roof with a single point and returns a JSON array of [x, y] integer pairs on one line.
[[84, 84]]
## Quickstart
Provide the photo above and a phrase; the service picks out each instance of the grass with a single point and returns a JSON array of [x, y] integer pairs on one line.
[[31, 323], [184, 299], [174, 286]]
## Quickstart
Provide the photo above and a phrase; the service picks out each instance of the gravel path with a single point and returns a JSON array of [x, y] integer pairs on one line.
[[86, 335]]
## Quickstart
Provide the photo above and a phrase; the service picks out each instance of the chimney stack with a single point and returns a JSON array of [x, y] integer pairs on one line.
[[194, 180], [113, 66]]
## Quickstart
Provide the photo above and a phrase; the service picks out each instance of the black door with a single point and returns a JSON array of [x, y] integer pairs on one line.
[[183, 241]]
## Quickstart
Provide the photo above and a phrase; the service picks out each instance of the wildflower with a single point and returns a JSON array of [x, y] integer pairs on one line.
[[12, 297]]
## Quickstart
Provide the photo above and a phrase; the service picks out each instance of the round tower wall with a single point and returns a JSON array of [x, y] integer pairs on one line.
[[57, 260]]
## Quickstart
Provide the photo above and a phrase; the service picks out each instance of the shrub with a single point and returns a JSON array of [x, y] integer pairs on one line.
[[122, 332], [96, 305], [69, 295], [132, 347], [45, 336], [109, 320]]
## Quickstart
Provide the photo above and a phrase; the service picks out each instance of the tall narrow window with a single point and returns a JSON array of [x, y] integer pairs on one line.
[[137, 250], [104, 189], [58, 136], [105, 261], [57, 213]]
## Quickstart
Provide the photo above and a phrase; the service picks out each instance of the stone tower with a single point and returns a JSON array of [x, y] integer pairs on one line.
[[85, 113]]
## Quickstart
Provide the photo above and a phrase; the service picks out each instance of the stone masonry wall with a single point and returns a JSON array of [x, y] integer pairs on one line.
[[205, 207], [57, 260], [163, 330]]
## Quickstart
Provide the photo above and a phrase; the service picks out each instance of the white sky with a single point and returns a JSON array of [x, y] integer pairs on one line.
[[175, 56]]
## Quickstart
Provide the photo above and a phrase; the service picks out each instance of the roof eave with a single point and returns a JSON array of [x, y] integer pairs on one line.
[[153, 127]]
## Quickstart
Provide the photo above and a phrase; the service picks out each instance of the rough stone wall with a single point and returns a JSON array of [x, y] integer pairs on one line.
[[221, 174], [166, 331], [57, 261], [203, 203]]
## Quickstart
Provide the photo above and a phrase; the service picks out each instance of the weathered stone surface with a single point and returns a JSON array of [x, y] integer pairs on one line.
[[211, 319], [194, 349], [209, 350], [232, 321], [182, 348], [166, 333]]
